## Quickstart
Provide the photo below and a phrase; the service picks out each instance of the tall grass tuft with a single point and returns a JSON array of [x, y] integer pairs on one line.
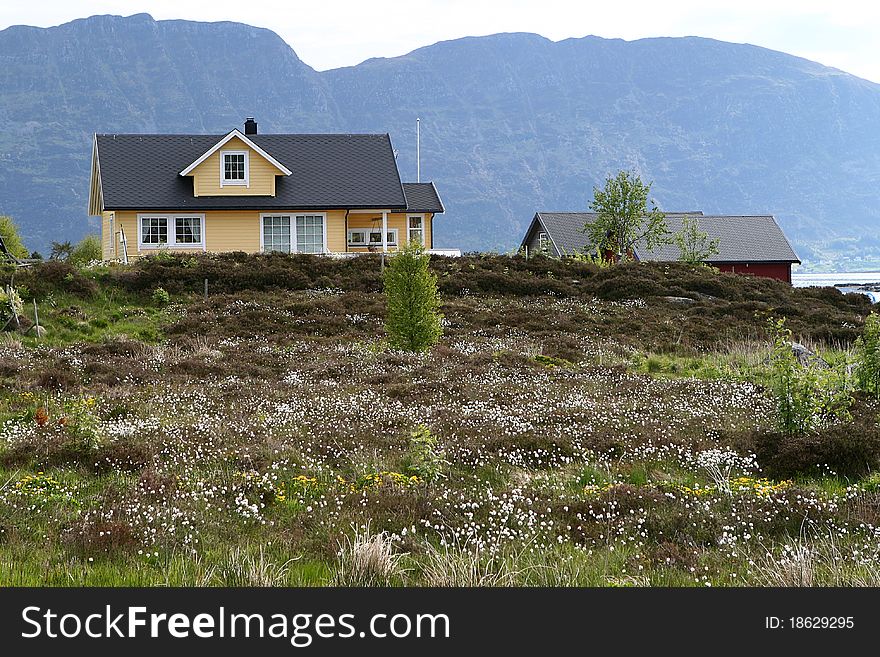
[[367, 559], [466, 564], [243, 568], [815, 561]]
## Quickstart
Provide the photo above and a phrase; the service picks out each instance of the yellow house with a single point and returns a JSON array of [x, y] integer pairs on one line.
[[243, 191]]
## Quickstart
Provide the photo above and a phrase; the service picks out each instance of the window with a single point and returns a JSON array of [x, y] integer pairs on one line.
[[276, 234], [416, 230], [171, 231], [233, 168], [310, 233], [357, 237], [371, 237], [188, 230], [307, 234], [154, 231], [111, 222], [376, 237], [543, 242]]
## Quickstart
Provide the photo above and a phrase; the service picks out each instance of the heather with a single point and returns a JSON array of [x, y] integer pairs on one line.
[[573, 426]]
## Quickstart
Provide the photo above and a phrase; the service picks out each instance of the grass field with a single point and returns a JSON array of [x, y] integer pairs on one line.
[[573, 427]]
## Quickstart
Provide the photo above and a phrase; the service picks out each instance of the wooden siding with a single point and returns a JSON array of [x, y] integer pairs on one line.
[[261, 174], [107, 236], [225, 230], [781, 271]]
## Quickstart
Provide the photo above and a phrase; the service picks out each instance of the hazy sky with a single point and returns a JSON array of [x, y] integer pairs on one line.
[[332, 33]]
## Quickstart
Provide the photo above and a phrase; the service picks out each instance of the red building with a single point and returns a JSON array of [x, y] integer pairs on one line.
[[752, 245]]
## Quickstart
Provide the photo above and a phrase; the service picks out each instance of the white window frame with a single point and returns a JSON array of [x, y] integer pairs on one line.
[[410, 229], [171, 225], [247, 170], [366, 233], [293, 217], [362, 231], [544, 243], [391, 231]]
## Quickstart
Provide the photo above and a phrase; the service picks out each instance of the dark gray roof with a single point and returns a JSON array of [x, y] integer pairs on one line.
[[328, 171], [740, 238], [422, 197]]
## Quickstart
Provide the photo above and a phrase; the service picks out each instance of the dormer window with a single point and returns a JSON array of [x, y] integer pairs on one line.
[[233, 168]]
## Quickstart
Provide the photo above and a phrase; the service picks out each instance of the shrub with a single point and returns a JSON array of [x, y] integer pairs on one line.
[[51, 276], [10, 303], [413, 323], [87, 250], [12, 238], [423, 458], [867, 350], [848, 449], [805, 396], [161, 297]]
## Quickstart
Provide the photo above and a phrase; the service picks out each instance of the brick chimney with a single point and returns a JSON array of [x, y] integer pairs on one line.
[[250, 126]]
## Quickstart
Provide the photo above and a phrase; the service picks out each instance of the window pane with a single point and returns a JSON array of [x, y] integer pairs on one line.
[[356, 237], [154, 230], [415, 222], [310, 234], [233, 166], [376, 237], [416, 236], [276, 233], [187, 230]]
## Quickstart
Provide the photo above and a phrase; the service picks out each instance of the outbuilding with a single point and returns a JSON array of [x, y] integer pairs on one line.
[[747, 244]]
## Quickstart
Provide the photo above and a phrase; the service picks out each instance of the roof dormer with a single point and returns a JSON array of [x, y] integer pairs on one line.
[[235, 166]]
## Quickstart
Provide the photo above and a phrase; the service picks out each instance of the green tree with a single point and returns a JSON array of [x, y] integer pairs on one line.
[[623, 217], [87, 250], [413, 321], [867, 353], [694, 246], [12, 238], [61, 251]]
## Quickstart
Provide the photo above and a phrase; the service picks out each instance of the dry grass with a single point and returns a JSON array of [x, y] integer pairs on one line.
[[815, 560], [243, 568], [368, 559], [466, 563]]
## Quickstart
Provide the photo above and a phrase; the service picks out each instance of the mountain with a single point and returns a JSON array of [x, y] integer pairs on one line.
[[511, 123]]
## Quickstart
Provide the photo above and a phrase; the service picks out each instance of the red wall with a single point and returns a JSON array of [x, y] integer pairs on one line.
[[778, 270]]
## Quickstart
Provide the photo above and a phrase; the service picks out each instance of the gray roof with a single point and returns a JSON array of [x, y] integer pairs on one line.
[[422, 197], [740, 238], [328, 171]]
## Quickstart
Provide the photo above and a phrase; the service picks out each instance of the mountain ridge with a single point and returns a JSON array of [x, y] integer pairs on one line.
[[511, 123]]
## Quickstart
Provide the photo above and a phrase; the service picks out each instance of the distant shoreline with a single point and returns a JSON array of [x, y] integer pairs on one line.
[[867, 283]]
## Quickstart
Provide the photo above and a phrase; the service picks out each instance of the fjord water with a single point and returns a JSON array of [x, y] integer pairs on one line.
[[853, 282], [845, 279]]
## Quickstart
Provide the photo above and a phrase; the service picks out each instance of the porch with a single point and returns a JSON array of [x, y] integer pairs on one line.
[[370, 231]]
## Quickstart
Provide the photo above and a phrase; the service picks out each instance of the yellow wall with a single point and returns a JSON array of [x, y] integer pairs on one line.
[[107, 236], [225, 230], [261, 174], [239, 230]]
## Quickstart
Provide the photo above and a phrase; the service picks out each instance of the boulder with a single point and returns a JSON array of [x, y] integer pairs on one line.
[[807, 357]]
